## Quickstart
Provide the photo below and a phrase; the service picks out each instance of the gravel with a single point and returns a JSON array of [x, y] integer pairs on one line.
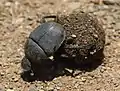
[[19, 18]]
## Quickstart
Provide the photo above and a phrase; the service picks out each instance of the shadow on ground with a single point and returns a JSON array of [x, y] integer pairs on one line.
[[49, 71]]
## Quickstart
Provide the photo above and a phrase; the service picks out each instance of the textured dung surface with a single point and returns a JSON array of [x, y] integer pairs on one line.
[[89, 35]]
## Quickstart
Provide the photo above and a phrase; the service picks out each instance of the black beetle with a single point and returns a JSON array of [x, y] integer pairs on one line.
[[43, 42]]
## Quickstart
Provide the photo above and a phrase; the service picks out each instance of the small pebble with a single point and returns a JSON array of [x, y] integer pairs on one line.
[[50, 88], [16, 79], [8, 4], [74, 36], [58, 88], [83, 79], [10, 90], [81, 83], [41, 90], [2, 74]]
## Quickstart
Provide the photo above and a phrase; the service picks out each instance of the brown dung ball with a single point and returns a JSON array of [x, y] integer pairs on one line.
[[85, 37]]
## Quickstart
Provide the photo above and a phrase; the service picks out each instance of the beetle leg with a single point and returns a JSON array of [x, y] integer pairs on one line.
[[49, 18], [26, 65]]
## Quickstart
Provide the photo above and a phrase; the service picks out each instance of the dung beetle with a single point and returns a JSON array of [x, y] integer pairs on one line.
[[43, 42]]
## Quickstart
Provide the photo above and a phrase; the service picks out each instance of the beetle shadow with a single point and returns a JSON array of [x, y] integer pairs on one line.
[[49, 70]]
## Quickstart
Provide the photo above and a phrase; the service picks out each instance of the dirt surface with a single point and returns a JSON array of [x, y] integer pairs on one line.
[[18, 18]]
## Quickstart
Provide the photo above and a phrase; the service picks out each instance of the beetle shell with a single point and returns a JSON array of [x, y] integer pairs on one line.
[[44, 41]]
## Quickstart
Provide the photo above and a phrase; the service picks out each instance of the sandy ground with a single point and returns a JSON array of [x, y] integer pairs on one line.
[[19, 17]]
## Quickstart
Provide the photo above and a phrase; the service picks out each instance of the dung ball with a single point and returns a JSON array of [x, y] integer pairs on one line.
[[85, 37]]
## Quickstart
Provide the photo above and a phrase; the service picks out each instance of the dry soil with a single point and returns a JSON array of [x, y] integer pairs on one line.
[[19, 17]]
